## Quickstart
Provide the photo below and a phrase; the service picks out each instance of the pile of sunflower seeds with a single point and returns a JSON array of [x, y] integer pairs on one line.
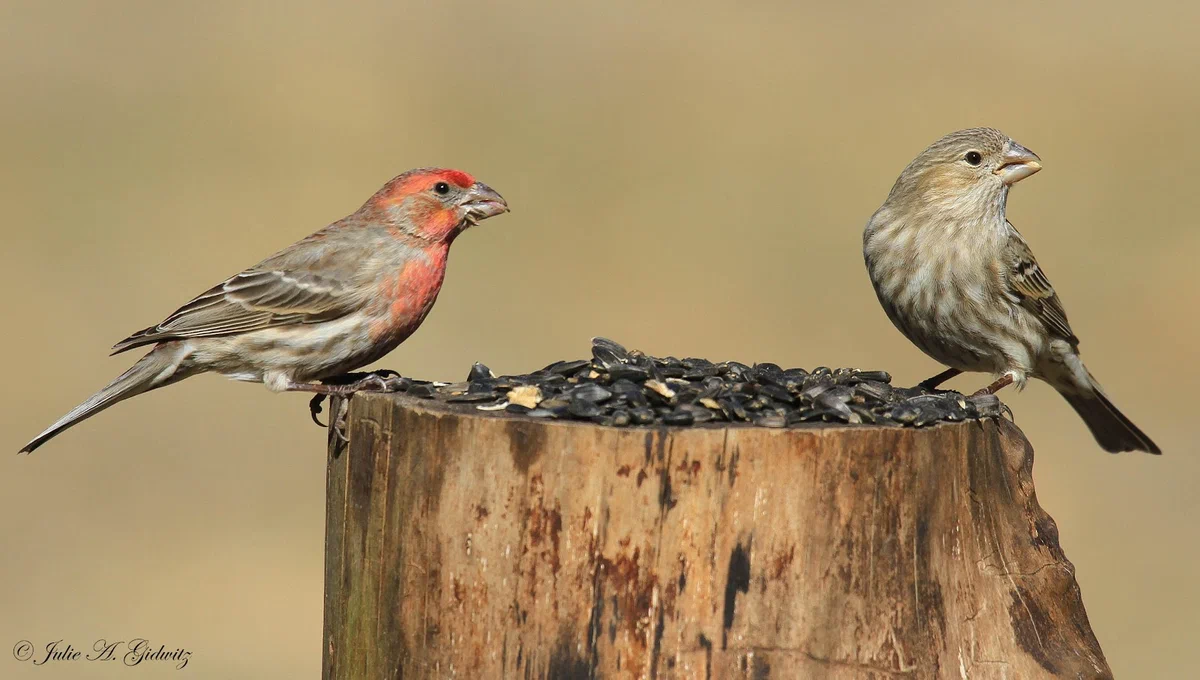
[[620, 387]]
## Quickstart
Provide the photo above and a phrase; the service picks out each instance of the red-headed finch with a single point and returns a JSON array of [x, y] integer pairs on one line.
[[333, 302], [959, 281]]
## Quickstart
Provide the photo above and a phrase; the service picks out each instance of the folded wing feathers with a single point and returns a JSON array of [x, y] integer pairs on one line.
[[249, 301], [1034, 291]]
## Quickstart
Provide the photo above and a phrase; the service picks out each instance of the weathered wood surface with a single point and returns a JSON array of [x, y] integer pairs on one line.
[[469, 545]]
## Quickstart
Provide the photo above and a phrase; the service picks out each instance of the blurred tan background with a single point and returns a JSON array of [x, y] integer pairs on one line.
[[690, 180]]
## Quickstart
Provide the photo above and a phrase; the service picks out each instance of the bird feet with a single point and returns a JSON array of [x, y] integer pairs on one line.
[[343, 385], [1004, 381], [383, 380], [339, 419]]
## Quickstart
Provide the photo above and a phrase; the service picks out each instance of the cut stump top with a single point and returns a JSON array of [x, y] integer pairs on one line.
[[621, 388]]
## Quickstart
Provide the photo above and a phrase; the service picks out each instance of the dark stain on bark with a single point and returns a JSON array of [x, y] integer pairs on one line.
[[566, 662], [631, 589], [782, 561], [666, 499], [666, 495], [1027, 618], [656, 650], [525, 442], [597, 615], [760, 669], [1046, 534], [707, 645], [932, 608], [737, 579], [612, 622]]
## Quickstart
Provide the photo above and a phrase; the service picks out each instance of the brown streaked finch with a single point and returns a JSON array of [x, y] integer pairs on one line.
[[959, 281], [328, 304]]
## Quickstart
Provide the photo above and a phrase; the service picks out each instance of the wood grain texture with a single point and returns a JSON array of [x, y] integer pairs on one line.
[[472, 545]]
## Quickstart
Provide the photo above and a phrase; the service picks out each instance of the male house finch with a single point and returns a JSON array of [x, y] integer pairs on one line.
[[959, 281], [337, 300]]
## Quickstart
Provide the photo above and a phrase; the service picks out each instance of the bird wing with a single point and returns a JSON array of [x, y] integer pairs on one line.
[[1029, 287], [249, 301]]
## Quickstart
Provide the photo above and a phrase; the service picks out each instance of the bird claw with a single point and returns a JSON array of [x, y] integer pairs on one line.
[[383, 380], [339, 421], [314, 408], [931, 384], [379, 381]]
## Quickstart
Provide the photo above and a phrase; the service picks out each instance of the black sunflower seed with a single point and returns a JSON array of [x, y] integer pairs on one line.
[[566, 368], [879, 376], [421, 391], [779, 394], [771, 420], [873, 390], [607, 353], [906, 413], [734, 369], [472, 397], [864, 414], [589, 392], [679, 417], [642, 416], [556, 406], [843, 375], [583, 408], [479, 372], [631, 372]]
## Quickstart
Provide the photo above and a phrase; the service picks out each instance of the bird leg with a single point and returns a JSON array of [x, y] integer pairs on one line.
[[343, 385], [930, 384], [1002, 382], [383, 380]]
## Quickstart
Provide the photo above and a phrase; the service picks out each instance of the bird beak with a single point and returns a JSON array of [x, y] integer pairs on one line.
[[482, 202], [1017, 163]]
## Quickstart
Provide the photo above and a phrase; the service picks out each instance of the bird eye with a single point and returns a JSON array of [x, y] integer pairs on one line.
[[441, 188], [973, 158]]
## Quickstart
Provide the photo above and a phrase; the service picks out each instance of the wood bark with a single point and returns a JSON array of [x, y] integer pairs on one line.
[[475, 545]]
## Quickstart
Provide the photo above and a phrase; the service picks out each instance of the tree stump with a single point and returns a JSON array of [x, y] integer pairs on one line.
[[469, 544]]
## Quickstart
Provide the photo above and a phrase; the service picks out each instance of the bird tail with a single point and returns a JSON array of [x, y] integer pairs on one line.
[[1112, 430], [161, 367]]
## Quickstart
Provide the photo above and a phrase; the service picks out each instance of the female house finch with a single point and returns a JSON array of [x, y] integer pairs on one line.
[[959, 281], [337, 300]]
